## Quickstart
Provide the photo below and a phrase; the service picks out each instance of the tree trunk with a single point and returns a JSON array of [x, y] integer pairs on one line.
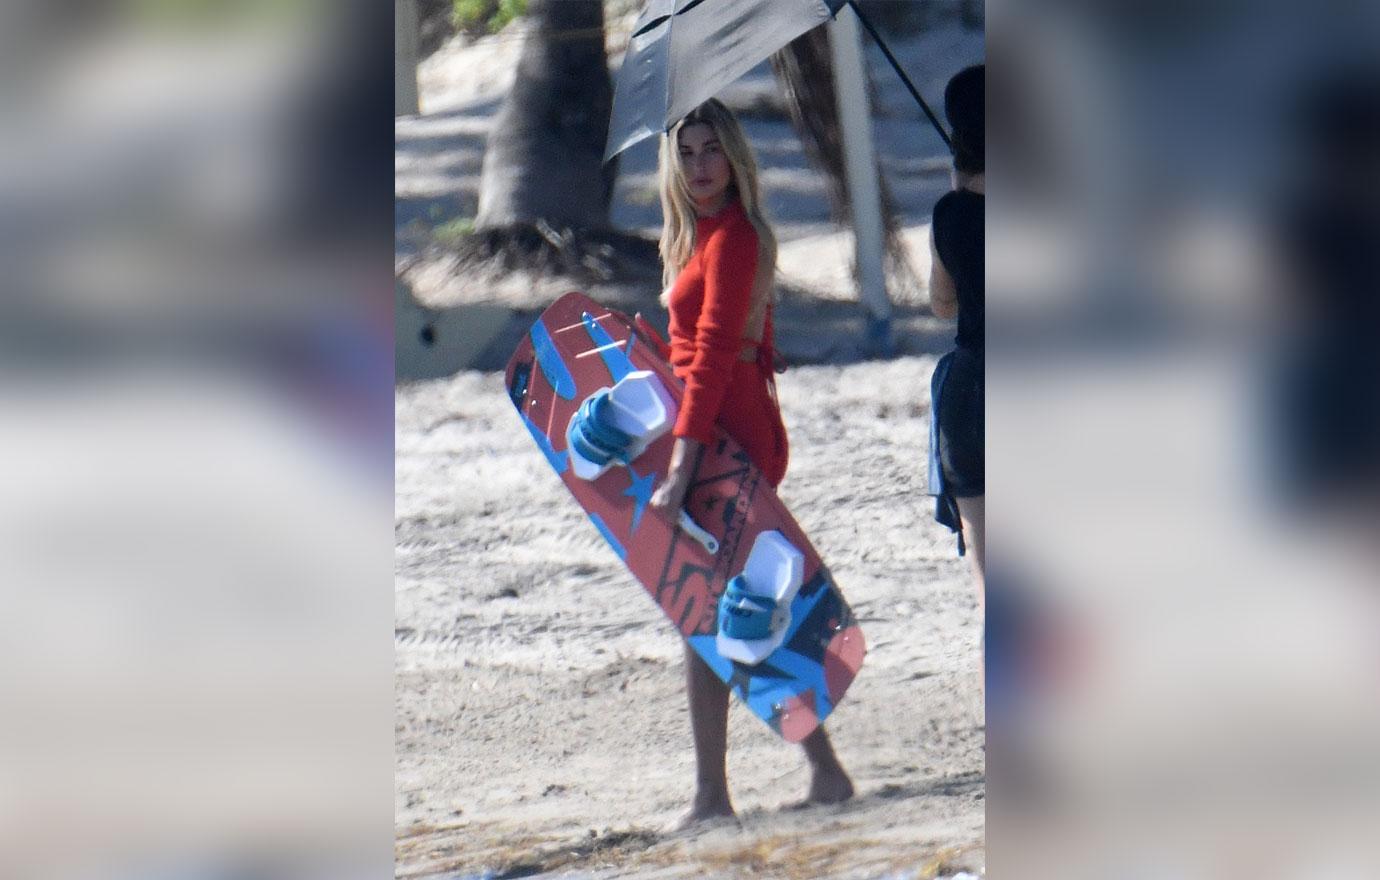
[[543, 158]]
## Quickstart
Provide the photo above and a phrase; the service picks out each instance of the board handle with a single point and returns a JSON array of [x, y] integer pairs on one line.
[[699, 533]]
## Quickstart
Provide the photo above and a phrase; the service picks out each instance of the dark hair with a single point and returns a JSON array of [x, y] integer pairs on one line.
[[965, 108]]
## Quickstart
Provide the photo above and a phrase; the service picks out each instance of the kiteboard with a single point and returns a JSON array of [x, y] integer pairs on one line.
[[733, 572]]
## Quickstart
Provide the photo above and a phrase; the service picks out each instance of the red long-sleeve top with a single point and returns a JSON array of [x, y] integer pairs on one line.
[[709, 305]]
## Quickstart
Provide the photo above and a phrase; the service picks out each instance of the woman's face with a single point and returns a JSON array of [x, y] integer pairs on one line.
[[705, 165]]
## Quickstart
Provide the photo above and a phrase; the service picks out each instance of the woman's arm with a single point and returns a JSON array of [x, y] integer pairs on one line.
[[730, 267], [943, 290], [670, 495]]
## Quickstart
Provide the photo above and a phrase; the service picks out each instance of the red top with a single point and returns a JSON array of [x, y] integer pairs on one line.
[[709, 306]]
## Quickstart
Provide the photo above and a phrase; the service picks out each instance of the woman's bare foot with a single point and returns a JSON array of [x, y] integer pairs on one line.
[[829, 785], [706, 809]]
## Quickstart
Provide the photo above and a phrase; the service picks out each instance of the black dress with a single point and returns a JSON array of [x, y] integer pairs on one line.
[[957, 420]]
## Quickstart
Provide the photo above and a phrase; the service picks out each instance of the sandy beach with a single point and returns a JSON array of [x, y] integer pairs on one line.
[[540, 699]]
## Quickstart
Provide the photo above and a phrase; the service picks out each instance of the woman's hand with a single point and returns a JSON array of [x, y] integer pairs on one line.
[[669, 497]]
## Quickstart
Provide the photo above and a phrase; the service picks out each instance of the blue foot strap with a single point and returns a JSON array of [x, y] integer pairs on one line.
[[594, 435], [743, 615]]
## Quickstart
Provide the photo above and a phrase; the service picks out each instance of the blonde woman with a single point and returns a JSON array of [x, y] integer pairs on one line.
[[719, 258]]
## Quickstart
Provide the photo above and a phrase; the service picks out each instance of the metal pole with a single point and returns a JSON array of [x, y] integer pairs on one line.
[[406, 35], [864, 191], [896, 65]]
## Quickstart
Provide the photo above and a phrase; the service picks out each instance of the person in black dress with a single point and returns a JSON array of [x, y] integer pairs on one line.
[[957, 290]]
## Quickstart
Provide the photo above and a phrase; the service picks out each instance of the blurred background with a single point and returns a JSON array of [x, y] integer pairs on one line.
[[1184, 440], [195, 440]]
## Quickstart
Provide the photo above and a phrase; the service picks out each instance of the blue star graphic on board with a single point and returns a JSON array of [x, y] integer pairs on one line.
[[640, 491], [707, 649]]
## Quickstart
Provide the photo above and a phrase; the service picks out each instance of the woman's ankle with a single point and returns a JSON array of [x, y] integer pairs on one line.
[[713, 797]]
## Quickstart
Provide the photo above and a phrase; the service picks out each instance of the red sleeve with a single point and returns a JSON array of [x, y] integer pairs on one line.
[[730, 265]]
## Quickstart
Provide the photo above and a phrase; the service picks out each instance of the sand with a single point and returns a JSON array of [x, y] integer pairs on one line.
[[540, 700]]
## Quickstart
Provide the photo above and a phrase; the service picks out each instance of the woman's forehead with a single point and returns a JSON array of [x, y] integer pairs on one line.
[[696, 134]]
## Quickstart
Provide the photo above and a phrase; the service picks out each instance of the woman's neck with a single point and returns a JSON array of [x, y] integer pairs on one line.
[[711, 208]]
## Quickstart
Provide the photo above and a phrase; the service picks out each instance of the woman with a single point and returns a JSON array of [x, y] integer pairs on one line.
[[957, 290], [719, 257]]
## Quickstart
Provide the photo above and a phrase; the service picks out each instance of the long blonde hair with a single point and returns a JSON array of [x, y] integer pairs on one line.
[[678, 209]]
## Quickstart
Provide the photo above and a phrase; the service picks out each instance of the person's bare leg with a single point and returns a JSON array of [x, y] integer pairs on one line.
[[709, 724], [829, 784], [973, 513]]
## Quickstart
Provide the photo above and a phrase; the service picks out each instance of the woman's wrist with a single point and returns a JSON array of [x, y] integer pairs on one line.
[[677, 474], [683, 451]]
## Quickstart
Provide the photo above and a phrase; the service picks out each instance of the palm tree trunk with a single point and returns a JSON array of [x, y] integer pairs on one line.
[[543, 158]]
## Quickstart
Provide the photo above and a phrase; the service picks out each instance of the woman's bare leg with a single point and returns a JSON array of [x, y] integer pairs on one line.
[[973, 513], [829, 784], [709, 724]]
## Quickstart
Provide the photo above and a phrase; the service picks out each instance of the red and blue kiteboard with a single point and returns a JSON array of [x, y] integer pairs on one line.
[[734, 574]]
